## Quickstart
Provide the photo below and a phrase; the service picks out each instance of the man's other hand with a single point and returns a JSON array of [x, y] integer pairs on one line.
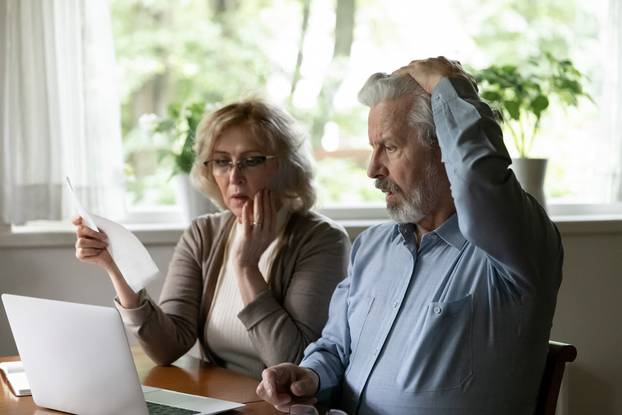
[[428, 72], [287, 384]]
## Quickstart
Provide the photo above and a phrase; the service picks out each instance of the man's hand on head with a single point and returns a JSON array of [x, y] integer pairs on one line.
[[286, 384], [429, 72]]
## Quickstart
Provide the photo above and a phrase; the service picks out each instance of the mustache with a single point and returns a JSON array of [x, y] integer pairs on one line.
[[386, 185]]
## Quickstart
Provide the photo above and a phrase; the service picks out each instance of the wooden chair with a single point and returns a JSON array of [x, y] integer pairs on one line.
[[559, 354]]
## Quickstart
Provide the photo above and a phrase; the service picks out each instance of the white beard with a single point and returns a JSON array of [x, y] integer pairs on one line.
[[419, 202]]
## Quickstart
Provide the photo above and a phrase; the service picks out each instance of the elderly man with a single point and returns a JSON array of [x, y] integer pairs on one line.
[[448, 309]]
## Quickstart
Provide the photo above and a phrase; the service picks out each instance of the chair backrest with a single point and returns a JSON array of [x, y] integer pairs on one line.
[[559, 354]]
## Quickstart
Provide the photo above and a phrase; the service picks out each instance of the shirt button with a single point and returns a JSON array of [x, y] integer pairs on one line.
[[396, 304], [437, 309], [376, 351]]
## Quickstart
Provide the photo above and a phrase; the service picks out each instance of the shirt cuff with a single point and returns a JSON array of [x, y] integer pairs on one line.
[[443, 91], [323, 393], [258, 309], [136, 316]]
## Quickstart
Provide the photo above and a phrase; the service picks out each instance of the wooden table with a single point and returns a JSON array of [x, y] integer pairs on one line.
[[188, 374]]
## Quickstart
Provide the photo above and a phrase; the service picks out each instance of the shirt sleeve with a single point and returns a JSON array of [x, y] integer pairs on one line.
[[329, 356], [494, 213], [281, 332]]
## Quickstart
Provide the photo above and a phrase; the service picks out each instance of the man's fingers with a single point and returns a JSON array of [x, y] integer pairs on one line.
[[271, 395], [406, 70], [261, 391], [303, 387], [268, 380], [400, 72], [274, 386]]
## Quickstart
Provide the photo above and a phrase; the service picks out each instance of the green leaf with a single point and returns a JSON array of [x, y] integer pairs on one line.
[[539, 104], [513, 109], [165, 126], [491, 96]]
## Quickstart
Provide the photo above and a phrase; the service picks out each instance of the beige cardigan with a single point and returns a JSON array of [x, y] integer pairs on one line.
[[309, 262]]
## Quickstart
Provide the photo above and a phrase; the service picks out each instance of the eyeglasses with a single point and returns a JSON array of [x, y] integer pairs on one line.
[[223, 165]]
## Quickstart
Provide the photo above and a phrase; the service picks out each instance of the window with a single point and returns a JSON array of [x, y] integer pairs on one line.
[[289, 51]]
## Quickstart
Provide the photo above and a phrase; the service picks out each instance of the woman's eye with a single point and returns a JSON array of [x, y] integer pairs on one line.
[[254, 161], [222, 162]]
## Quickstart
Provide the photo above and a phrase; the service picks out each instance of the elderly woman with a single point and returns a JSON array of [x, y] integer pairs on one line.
[[253, 282]]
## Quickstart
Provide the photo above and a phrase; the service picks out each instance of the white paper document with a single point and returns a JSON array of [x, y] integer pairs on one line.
[[16, 376], [130, 255], [86, 217]]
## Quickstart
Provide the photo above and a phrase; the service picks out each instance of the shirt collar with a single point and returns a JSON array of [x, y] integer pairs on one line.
[[449, 232]]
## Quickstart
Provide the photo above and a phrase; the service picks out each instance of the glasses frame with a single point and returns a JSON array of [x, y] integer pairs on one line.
[[240, 164]]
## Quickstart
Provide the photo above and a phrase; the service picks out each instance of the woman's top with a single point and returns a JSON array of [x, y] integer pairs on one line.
[[309, 259], [225, 334]]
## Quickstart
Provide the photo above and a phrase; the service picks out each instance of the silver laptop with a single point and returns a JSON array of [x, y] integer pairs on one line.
[[77, 359]]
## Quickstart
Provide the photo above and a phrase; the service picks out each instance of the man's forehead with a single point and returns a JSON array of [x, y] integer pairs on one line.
[[393, 107], [389, 116]]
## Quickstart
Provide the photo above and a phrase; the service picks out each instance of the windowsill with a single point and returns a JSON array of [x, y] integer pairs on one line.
[[60, 234]]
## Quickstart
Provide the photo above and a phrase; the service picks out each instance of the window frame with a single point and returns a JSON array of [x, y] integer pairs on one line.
[[166, 215]]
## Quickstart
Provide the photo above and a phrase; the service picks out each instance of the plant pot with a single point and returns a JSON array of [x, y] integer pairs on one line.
[[191, 202], [530, 174]]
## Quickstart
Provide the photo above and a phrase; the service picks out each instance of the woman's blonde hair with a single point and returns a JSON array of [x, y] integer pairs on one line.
[[270, 126]]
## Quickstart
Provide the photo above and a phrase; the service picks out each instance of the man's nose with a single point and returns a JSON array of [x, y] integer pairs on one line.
[[376, 168]]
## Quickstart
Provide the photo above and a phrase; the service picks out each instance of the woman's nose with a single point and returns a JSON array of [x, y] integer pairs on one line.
[[235, 174]]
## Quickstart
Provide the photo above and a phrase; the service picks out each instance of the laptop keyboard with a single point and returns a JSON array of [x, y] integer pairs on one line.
[[159, 409]]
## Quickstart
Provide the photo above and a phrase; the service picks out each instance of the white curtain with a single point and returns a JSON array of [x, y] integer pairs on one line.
[[613, 88], [59, 112]]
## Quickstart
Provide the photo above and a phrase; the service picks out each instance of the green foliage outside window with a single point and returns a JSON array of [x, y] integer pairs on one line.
[[179, 127], [216, 51], [522, 93]]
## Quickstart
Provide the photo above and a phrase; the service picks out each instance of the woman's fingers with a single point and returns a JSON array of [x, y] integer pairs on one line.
[[90, 243], [82, 253], [246, 218], [258, 209], [268, 211], [84, 232]]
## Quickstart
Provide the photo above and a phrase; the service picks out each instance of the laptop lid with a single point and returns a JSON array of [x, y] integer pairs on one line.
[[76, 356]]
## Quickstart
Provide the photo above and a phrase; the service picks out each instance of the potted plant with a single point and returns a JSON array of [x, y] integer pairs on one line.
[[521, 95], [179, 126]]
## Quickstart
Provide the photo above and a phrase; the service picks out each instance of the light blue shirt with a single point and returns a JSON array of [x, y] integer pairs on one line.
[[459, 325]]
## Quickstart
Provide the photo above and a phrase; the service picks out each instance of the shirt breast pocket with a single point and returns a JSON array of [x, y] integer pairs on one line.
[[440, 357], [358, 312]]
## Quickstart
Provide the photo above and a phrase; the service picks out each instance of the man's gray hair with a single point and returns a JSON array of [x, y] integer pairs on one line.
[[382, 87]]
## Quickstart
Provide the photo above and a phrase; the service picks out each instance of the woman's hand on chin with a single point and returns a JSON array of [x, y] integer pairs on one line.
[[259, 228]]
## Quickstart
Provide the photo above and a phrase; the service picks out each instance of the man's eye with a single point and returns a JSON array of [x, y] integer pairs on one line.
[[254, 161], [222, 162], [390, 149]]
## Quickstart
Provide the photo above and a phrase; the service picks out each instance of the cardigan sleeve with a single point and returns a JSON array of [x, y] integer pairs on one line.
[[168, 330], [280, 331]]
